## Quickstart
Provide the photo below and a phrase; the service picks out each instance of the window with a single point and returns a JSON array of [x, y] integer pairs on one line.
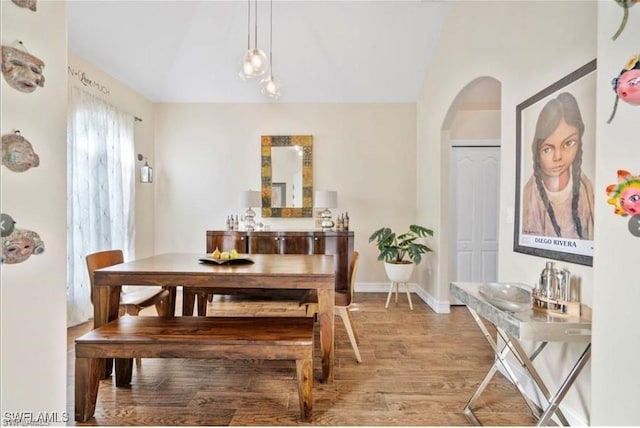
[[100, 191]]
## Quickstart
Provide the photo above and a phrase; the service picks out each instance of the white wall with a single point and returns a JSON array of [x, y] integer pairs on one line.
[[525, 46], [207, 153], [33, 292], [99, 84], [616, 291]]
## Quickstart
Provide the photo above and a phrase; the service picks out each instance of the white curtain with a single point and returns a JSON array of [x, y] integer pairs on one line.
[[100, 191]]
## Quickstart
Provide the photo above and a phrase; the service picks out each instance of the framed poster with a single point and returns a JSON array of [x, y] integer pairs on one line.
[[555, 166]]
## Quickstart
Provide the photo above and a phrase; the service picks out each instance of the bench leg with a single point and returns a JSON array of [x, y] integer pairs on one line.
[[124, 370], [87, 379], [304, 376]]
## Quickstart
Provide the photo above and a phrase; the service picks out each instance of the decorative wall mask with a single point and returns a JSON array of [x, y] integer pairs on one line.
[[627, 84], [626, 4], [22, 70], [29, 4], [625, 194], [17, 153], [20, 245]]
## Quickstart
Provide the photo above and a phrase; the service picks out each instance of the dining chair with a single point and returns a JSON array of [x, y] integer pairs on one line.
[[342, 306], [132, 299]]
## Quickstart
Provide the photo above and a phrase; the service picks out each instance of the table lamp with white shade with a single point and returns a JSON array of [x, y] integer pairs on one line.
[[326, 199], [250, 199]]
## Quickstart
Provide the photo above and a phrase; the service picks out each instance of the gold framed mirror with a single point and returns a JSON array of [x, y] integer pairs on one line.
[[287, 175]]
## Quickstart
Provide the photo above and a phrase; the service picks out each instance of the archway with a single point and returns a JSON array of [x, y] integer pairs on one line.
[[471, 134]]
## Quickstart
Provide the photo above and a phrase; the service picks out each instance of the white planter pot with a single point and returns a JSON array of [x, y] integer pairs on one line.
[[399, 272]]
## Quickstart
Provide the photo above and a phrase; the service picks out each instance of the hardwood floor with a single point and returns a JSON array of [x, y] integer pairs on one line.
[[419, 368]]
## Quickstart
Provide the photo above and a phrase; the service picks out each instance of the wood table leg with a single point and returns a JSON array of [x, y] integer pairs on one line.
[[326, 321], [202, 301], [188, 301], [170, 310], [106, 307]]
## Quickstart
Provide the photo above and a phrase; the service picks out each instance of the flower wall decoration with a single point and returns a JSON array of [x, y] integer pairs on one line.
[[625, 194]]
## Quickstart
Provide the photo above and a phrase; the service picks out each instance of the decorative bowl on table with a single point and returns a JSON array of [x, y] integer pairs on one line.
[[216, 261], [510, 297]]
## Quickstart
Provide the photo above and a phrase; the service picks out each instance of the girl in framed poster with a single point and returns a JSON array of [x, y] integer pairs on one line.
[[558, 197], [554, 191]]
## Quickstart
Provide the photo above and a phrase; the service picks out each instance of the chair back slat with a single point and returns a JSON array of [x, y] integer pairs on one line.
[[102, 259]]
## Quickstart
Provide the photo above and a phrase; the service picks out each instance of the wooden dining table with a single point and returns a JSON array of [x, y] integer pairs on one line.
[[262, 271]]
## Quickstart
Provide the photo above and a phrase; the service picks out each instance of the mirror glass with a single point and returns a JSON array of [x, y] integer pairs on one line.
[[287, 176]]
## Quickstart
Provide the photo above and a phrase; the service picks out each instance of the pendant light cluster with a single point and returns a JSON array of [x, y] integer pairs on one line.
[[254, 62]]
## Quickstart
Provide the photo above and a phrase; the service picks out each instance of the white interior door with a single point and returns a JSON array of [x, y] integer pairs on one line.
[[474, 215]]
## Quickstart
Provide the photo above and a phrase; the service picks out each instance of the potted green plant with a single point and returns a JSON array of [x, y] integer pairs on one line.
[[401, 252]]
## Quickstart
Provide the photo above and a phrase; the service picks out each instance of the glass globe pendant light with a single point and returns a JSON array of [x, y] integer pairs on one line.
[[270, 86], [254, 61]]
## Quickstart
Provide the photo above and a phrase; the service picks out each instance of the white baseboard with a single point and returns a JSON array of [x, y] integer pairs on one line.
[[372, 287], [439, 307]]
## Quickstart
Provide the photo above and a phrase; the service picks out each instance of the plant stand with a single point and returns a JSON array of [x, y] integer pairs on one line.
[[399, 273], [396, 285]]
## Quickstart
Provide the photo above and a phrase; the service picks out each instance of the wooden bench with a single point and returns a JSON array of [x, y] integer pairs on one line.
[[240, 338]]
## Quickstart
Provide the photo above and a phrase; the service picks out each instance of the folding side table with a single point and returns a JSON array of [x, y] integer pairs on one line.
[[525, 325]]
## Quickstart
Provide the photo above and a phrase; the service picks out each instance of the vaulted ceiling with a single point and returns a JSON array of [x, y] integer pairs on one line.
[[323, 51]]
